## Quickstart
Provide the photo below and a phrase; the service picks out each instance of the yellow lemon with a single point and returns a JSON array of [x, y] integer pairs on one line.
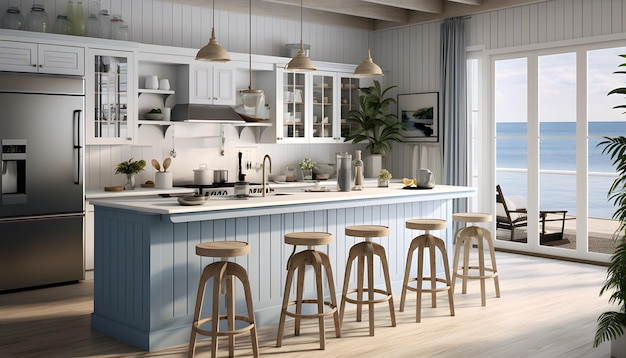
[[407, 181]]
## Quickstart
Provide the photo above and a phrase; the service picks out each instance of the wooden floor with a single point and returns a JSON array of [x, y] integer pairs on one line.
[[548, 308]]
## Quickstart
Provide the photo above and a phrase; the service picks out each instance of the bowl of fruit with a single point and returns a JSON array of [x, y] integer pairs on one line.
[[154, 114]]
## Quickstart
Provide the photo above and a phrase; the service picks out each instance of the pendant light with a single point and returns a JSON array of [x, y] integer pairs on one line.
[[250, 97], [213, 51], [368, 68], [301, 63]]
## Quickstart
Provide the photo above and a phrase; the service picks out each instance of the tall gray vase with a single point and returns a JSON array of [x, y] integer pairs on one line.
[[373, 163]]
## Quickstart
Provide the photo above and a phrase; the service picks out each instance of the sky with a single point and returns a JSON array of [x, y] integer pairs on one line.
[[557, 87]]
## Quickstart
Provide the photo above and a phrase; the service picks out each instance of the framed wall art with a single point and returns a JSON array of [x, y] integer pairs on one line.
[[420, 113]]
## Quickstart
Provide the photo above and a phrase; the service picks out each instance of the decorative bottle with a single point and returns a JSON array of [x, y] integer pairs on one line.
[[105, 24], [344, 175], [79, 24], [70, 17], [37, 19], [358, 171]]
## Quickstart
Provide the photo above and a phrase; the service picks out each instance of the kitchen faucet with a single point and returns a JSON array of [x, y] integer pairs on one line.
[[267, 156]]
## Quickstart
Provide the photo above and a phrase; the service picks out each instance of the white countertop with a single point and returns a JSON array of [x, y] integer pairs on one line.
[[102, 194], [294, 196]]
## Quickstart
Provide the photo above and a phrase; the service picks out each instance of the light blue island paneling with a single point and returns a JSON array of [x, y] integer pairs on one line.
[[146, 270]]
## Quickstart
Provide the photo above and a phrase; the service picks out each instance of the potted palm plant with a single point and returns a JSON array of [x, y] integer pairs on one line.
[[372, 124], [611, 324]]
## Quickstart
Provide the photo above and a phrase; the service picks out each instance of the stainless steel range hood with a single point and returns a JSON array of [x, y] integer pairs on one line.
[[199, 113]]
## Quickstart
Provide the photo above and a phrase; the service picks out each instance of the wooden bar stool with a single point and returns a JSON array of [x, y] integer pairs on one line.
[[432, 243], [299, 261], [223, 273], [365, 251], [464, 238]]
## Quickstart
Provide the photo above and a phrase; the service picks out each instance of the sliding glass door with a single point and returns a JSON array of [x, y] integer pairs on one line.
[[550, 109]]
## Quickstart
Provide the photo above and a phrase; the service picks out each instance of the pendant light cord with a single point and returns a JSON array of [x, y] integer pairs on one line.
[[301, 46], [250, 45]]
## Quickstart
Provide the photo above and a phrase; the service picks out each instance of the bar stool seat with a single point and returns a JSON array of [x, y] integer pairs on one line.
[[432, 243], [223, 274], [365, 251], [464, 237], [299, 261]]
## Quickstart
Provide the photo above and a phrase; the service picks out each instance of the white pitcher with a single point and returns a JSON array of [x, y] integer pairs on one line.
[[425, 178]]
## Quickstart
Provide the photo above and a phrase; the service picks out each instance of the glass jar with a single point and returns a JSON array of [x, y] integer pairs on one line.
[[105, 24], [344, 171], [37, 19], [13, 19], [92, 26], [60, 25], [119, 30]]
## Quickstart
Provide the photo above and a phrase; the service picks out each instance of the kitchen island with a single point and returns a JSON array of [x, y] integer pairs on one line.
[[146, 270]]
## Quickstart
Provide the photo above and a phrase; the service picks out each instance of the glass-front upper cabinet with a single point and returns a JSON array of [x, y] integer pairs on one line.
[[291, 123], [349, 98], [110, 118], [323, 117]]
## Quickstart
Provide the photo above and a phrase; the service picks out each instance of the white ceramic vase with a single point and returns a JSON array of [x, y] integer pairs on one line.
[[373, 164]]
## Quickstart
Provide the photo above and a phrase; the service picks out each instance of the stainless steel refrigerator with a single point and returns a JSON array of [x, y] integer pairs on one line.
[[42, 197]]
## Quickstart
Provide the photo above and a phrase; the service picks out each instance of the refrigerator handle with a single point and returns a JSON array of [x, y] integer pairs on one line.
[[77, 138]]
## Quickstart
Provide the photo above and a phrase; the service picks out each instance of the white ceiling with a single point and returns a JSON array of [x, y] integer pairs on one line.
[[365, 14]]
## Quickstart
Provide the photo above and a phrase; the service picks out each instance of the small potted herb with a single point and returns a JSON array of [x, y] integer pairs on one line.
[[383, 178], [306, 166], [130, 168]]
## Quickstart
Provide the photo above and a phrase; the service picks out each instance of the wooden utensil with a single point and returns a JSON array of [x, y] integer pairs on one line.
[[166, 163], [156, 165]]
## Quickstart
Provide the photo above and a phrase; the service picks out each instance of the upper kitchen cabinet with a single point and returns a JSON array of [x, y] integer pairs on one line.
[[110, 115], [349, 98], [207, 84], [292, 89], [325, 124], [41, 58]]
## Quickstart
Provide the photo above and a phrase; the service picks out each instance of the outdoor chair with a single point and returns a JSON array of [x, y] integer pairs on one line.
[[511, 214]]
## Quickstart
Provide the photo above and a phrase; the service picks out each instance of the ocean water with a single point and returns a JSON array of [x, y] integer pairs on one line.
[[557, 160]]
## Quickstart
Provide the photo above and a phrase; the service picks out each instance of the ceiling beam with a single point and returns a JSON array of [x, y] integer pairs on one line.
[[430, 6], [358, 8], [468, 2]]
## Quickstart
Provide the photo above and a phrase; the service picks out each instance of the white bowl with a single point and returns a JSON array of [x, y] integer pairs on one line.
[[153, 116]]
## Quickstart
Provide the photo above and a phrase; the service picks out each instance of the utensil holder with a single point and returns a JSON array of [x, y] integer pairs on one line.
[[163, 180]]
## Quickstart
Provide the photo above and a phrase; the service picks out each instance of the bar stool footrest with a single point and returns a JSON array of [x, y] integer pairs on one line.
[[387, 296], [196, 327], [430, 290], [472, 277], [332, 310]]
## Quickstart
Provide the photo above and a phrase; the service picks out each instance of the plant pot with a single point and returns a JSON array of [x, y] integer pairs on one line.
[[383, 183], [129, 182], [618, 347], [373, 163], [307, 174]]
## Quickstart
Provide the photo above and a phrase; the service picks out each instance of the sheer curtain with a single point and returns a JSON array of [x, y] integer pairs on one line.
[[454, 105]]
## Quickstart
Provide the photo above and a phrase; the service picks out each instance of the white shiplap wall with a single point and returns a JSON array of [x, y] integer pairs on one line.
[[409, 55]]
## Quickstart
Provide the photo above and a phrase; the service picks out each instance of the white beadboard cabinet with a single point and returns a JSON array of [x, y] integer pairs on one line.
[[42, 58], [207, 84]]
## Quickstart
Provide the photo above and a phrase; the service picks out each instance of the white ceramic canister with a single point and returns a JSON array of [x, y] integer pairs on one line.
[[152, 82], [202, 175], [163, 180]]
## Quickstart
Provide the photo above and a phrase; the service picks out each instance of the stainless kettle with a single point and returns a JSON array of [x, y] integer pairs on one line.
[[425, 178]]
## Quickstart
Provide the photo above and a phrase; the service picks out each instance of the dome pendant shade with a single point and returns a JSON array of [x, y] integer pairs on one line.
[[368, 68], [213, 51], [301, 62]]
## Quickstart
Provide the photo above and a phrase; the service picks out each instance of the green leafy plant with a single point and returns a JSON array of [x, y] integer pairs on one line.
[[611, 323], [130, 167], [384, 174], [306, 163], [371, 124]]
